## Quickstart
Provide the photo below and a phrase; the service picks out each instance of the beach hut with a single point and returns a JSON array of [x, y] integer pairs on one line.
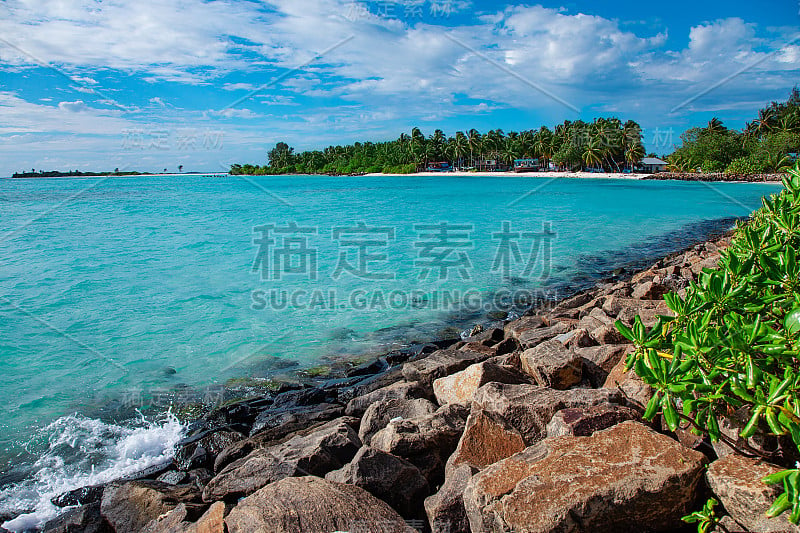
[[653, 165], [526, 165]]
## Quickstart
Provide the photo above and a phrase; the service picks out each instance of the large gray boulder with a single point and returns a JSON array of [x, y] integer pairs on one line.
[[736, 481], [461, 386], [402, 390], [378, 415], [328, 448], [387, 477], [83, 519], [627, 478], [528, 408], [310, 504]]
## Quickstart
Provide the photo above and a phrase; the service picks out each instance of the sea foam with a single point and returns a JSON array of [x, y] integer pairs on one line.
[[81, 452]]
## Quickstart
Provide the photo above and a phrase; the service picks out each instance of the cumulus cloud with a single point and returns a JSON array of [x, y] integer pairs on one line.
[[74, 107]]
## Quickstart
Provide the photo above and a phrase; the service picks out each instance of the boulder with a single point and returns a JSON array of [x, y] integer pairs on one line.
[[531, 338], [425, 441], [84, 519], [175, 521], [736, 481], [487, 438], [577, 338], [378, 415], [441, 363], [387, 477], [552, 365], [585, 421], [305, 504], [402, 390], [445, 509], [130, 506], [328, 448], [528, 408], [461, 386], [649, 290], [648, 315], [202, 452], [79, 496], [627, 478]]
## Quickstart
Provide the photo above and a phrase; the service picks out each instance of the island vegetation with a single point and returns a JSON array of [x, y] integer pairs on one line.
[[769, 143]]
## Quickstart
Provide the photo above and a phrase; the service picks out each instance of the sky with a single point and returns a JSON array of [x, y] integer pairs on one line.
[[157, 84]]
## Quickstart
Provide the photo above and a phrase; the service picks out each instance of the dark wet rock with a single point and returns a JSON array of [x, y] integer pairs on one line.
[[80, 496], [388, 477], [131, 505], [378, 415], [303, 397], [368, 368], [528, 408], [306, 504], [552, 365], [84, 519], [281, 422], [624, 478], [445, 509], [329, 447]]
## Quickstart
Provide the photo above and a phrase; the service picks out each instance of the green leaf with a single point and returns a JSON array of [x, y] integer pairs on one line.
[[670, 414], [792, 321]]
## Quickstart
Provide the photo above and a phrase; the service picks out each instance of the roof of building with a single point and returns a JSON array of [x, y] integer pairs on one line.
[[653, 161]]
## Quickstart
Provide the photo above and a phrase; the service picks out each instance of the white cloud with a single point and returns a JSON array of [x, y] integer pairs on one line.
[[74, 107], [238, 87]]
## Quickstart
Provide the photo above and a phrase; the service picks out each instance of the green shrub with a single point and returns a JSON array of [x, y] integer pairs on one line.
[[713, 166], [734, 342], [750, 164]]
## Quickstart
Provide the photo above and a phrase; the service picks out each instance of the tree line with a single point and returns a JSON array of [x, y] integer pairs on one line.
[[605, 143], [769, 143]]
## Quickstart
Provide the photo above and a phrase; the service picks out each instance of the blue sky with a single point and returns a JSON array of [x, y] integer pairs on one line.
[[153, 84]]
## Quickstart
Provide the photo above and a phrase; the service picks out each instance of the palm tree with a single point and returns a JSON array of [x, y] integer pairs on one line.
[[715, 126], [475, 143], [593, 153], [634, 154], [460, 146]]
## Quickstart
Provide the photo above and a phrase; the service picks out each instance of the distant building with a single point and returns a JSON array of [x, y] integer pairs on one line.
[[490, 165], [439, 166], [526, 165], [653, 165]]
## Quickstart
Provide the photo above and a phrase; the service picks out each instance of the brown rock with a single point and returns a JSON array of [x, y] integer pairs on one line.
[[736, 481], [631, 386], [599, 361], [487, 438], [577, 338], [213, 521], [627, 478], [402, 390], [330, 447], [439, 364], [445, 509], [378, 415], [528, 408], [608, 334], [387, 477], [461, 386], [649, 290], [550, 364], [130, 506], [584, 421], [310, 504]]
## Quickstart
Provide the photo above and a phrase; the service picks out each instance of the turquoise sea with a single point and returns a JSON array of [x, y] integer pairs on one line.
[[124, 289]]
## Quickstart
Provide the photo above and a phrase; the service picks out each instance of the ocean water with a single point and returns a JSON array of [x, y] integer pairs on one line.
[[126, 290]]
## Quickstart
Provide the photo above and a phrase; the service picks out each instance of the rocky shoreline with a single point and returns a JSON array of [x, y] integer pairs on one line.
[[716, 176], [529, 427]]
